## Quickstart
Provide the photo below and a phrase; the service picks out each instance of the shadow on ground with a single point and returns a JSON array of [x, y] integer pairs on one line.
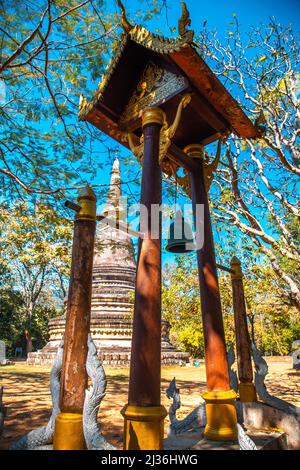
[[28, 402]]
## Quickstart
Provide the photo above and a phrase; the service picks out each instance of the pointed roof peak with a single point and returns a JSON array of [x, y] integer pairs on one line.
[[116, 165], [114, 195]]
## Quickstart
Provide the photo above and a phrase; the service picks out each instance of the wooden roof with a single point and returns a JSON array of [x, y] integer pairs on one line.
[[211, 113]]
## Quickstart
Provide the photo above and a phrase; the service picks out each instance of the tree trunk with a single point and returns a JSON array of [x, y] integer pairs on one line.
[[250, 318], [28, 342]]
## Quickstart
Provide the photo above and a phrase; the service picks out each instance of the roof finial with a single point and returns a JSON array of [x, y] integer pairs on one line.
[[116, 164], [125, 23], [114, 206], [183, 22]]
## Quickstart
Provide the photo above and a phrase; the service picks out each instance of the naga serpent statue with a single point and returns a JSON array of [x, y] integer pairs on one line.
[[192, 422], [93, 397], [261, 370], [43, 436], [196, 420]]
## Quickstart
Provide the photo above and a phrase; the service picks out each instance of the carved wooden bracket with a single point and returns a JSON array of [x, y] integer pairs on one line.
[[166, 134], [210, 168]]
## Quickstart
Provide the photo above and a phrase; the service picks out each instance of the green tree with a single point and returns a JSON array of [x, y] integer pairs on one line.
[[14, 321], [11, 312], [36, 252], [181, 306], [51, 53], [273, 325]]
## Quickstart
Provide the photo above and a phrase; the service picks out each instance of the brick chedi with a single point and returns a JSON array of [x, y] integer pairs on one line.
[[114, 273]]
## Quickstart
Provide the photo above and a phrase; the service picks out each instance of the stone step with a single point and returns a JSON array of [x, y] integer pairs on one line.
[[112, 357], [194, 441]]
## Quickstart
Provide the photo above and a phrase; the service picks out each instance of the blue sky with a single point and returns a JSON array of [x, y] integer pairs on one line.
[[218, 13]]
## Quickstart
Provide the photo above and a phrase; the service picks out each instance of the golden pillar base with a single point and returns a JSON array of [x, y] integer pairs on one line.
[[68, 432], [221, 415], [143, 427], [247, 392]]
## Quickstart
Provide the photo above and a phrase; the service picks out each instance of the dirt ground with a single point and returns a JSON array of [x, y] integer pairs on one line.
[[28, 402]]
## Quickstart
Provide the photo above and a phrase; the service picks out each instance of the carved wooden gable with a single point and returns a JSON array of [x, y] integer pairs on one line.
[[148, 70], [155, 87]]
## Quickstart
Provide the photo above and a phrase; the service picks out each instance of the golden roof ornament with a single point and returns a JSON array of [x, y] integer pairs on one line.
[[183, 22], [125, 23], [166, 134]]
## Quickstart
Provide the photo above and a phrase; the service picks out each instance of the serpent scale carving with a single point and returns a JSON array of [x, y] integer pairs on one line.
[[93, 397], [196, 420], [261, 370], [43, 436]]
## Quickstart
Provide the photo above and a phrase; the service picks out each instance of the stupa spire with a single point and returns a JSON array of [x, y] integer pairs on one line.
[[115, 192], [114, 199]]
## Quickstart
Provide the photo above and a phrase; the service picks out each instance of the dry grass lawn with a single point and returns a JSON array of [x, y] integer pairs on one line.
[[28, 403]]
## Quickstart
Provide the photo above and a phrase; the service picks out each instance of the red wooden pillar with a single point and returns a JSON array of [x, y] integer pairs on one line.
[[68, 434], [247, 390], [143, 427], [220, 405]]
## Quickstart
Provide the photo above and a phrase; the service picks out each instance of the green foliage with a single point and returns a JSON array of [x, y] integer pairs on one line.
[[273, 325], [34, 238], [181, 306], [11, 313], [39, 324], [51, 53], [273, 322]]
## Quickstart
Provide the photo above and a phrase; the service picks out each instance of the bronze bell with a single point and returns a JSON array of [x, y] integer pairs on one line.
[[180, 235]]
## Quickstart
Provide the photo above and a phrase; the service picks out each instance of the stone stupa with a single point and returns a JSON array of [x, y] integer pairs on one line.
[[113, 287]]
